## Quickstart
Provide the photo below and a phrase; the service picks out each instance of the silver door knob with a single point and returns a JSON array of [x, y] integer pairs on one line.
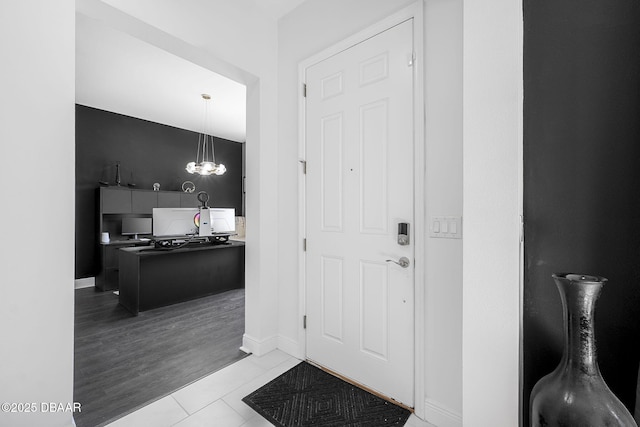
[[402, 262]]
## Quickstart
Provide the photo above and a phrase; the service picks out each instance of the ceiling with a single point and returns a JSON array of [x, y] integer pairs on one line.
[[120, 73]]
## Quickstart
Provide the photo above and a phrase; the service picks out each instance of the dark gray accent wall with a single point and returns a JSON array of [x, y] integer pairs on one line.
[[582, 179], [148, 152]]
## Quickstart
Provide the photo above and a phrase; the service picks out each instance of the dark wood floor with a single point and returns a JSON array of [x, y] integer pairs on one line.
[[123, 362]]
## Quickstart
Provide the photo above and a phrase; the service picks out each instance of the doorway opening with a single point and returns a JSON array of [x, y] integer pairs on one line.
[[173, 345]]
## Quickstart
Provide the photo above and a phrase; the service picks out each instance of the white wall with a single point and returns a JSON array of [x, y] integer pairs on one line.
[[238, 41], [443, 293], [492, 111], [309, 29], [37, 148]]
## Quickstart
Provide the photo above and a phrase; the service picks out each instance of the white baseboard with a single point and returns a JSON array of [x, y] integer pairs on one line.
[[258, 347], [290, 347], [440, 416], [87, 282]]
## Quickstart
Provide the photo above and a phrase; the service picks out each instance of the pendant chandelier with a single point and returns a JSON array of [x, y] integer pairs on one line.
[[205, 163]]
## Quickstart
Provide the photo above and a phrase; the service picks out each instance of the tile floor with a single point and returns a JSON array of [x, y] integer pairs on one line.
[[216, 400]]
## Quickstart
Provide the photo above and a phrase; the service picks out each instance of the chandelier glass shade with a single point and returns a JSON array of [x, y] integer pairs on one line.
[[205, 163]]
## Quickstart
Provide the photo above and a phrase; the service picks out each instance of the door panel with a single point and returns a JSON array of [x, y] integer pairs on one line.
[[374, 297], [359, 186], [331, 170], [332, 303], [374, 167]]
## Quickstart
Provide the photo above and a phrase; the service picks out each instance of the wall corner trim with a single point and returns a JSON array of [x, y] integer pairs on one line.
[[290, 346], [258, 347], [441, 416]]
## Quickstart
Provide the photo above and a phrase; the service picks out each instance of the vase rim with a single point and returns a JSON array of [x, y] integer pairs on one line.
[[579, 278]]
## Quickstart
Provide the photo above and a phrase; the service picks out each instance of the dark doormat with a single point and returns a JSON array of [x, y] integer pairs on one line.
[[308, 396]]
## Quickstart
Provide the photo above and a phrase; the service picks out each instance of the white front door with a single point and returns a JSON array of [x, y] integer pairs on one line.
[[359, 187]]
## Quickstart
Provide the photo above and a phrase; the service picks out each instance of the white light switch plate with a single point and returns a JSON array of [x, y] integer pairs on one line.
[[445, 227]]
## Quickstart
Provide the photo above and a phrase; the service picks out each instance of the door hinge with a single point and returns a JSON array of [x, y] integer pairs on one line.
[[304, 90], [304, 244], [521, 228], [304, 166], [304, 322], [412, 59]]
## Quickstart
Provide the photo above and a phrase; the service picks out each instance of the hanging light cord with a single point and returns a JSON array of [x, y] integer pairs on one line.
[[205, 163], [207, 137]]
